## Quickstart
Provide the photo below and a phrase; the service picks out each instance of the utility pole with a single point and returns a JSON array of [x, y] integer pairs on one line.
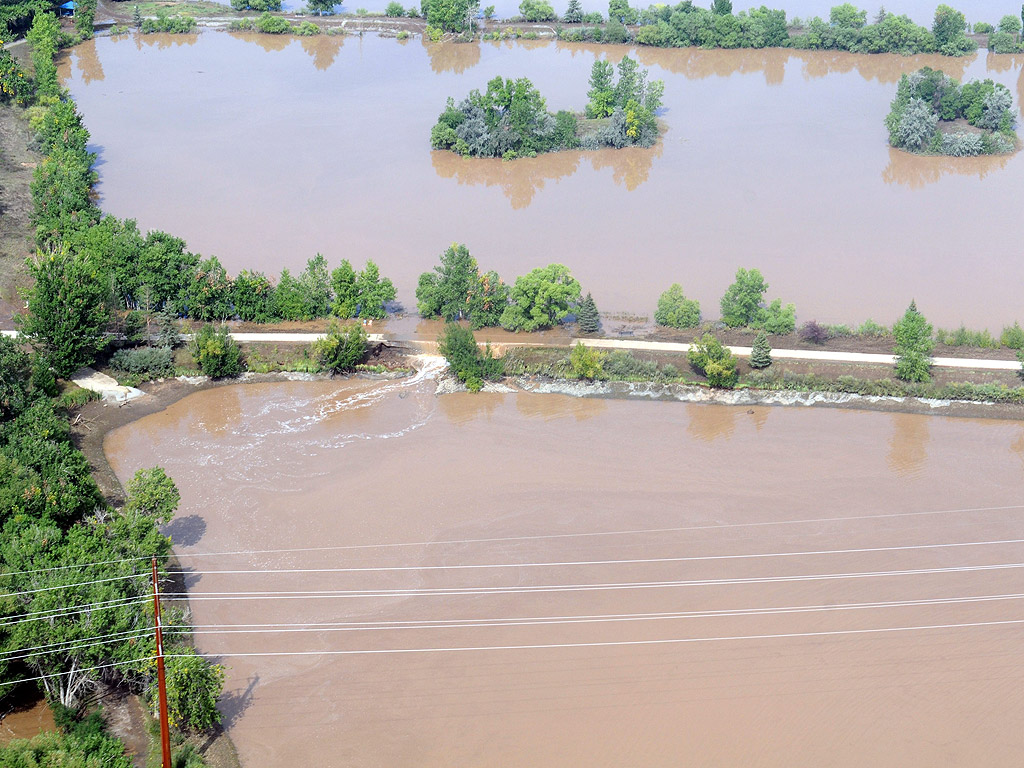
[[165, 733]]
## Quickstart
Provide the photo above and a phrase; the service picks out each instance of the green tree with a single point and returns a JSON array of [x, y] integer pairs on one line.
[[602, 90], [761, 352], [456, 290], [585, 362], [85, 17], [215, 353], [848, 16], [253, 297], [721, 7], [289, 302], [341, 349], [675, 310], [1010, 24], [448, 15], [588, 319], [67, 310], [465, 360], [540, 299], [394, 9], [949, 29], [620, 10], [743, 298], [152, 493], [209, 293], [343, 284], [193, 687], [707, 355], [373, 292], [537, 10], [315, 285], [43, 37], [15, 379], [574, 13], [913, 347]]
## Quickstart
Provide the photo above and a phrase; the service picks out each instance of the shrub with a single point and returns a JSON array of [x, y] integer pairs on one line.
[[394, 10], [1013, 336], [342, 349], [761, 352], [983, 28], [839, 331], [306, 29], [537, 10], [775, 318], [870, 328], [193, 686], [14, 86], [962, 337], [593, 17], [709, 357], [813, 333], [623, 366], [215, 353], [675, 310], [152, 362], [273, 25], [174, 25], [585, 362], [465, 359]]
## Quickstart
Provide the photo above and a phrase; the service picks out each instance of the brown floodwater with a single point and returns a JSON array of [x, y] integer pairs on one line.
[[265, 150], [367, 475]]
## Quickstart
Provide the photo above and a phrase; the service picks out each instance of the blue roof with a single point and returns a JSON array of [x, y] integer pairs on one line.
[[70, 5]]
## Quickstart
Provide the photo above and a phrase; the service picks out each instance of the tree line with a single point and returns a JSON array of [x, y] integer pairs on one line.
[[510, 119]]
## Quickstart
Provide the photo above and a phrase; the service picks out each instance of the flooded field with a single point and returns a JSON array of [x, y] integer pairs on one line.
[[265, 150], [646, 583]]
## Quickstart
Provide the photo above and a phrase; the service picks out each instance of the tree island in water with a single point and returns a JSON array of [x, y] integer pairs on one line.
[[511, 120]]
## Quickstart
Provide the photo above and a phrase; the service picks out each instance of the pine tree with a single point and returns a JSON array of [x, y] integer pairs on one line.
[[761, 353], [588, 319], [913, 346], [574, 13], [137, 17]]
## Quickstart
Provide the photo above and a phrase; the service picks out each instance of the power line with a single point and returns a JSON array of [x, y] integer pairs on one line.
[[509, 590], [72, 586], [633, 561], [120, 602], [26, 653], [582, 534], [610, 643], [214, 629], [588, 534], [73, 671]]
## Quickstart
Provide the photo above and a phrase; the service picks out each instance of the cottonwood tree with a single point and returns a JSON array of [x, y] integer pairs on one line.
[[540, 299], [675, 310]]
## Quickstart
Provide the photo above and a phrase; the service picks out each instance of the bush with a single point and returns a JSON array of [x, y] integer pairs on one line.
[[537, 10], [215, 353], [775, 318], [675, 310], [465, 359], [585, 362], [342, 349], [813, 333], [273, 25], [193, 686], [394, 10], [983, 28], [872, 329], [306, 29], [709, 357], [172, 25], [152, 362], [962, 337], [623, 366], [1013, 336], [839, 331], [14, 86]]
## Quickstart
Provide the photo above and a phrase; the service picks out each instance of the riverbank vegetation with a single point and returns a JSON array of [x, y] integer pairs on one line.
[[933, 114], [510, 119]]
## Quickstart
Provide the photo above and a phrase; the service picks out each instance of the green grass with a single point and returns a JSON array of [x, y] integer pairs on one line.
[[194, 8]]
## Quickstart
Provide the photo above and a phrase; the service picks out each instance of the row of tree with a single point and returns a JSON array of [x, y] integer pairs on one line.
[[928, 98], [742, 306], [510, 119]]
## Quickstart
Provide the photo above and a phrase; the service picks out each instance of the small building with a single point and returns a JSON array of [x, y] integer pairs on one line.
[[68, 8]]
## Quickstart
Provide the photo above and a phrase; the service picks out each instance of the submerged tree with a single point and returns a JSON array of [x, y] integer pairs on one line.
[[456, 289], [541, 299]]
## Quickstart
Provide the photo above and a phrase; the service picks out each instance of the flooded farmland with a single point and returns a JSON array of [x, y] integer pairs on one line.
[[647, 583], [265, 150]]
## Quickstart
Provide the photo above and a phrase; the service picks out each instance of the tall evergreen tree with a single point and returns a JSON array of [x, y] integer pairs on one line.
[[588, 319], [574, 13], [761, 352], [914, 344]]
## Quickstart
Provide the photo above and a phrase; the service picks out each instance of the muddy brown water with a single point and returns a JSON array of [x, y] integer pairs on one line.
[[369, 475], [264, 150]]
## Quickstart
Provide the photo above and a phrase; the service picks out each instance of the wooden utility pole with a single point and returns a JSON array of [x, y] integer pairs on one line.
[[165, 732]]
